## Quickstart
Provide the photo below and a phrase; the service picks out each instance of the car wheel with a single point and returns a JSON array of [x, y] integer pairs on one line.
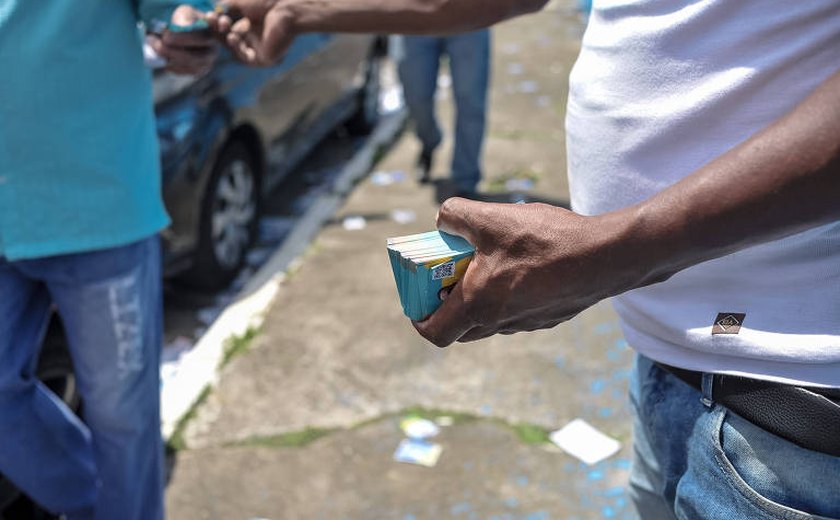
[[367, 112], [229, 218], [55, 370]]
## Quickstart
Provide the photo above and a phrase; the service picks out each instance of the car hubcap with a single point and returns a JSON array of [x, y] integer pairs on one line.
[[233, 211]]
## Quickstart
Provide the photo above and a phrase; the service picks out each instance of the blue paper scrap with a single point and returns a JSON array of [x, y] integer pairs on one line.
[[418, 452]]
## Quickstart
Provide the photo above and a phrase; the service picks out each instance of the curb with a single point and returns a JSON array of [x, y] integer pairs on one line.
[[198, 368]]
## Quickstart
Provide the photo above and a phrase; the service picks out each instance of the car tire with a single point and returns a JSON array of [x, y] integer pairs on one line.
[[229, 219], [366, 116], [55, 369]]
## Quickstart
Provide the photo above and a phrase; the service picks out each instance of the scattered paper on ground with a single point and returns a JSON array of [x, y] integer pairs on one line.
[[419, 428], [528, 87], [418, 452], [354, 223], [403, 216], [391, 99], [581, 440], [381, 178]]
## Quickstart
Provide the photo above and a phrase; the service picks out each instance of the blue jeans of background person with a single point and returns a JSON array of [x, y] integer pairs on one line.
[[694, 461], [469, 66], [110, 467]]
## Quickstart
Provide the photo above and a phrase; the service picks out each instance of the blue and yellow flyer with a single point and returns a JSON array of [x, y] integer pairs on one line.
[[426, 266]]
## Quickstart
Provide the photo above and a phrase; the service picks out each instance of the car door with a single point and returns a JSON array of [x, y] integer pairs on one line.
[[281, 101], [339, 70]]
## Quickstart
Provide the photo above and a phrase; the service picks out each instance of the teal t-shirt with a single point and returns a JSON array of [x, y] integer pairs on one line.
[[79, 163]]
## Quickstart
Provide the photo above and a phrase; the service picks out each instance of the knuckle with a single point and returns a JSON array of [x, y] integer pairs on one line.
[[449, 210], [449, 206]]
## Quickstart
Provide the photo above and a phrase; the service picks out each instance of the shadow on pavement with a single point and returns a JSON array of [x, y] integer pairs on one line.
[[444, 189]]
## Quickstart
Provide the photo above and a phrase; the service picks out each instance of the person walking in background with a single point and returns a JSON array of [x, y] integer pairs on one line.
[[418, 59], [80, 209]]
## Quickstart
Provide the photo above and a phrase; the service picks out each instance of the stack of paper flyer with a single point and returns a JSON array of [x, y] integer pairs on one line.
[[426, 266]]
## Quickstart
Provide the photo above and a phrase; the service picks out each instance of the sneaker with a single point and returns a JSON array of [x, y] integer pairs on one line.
[[423, 168]]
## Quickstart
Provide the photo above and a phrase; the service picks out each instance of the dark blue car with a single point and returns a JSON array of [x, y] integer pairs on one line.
[[229, 137]]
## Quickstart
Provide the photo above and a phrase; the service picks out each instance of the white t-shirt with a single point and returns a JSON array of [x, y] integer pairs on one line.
[[662, 87]]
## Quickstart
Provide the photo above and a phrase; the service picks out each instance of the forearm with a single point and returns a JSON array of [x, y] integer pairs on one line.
[[401, 16], [783, 180]]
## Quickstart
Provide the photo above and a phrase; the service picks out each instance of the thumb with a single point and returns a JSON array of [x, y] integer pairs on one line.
[[463, 217], [277, 34]]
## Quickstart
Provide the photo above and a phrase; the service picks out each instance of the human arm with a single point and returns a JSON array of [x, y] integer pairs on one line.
[[537, 265], [268, 26]]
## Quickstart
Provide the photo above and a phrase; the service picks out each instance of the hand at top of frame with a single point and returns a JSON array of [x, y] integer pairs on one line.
[[535, 266], [189, 52], [258, 32]]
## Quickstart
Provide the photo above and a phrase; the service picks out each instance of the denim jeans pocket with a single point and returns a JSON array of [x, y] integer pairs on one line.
[[773, 475]]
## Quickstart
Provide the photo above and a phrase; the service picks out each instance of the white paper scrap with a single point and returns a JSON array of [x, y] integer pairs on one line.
[[381, 178], [528, 87], [515, 69], [354, 223], [581, 440], [391, 100], [445, 420], [403, 216], [418, 452], [419, 428]]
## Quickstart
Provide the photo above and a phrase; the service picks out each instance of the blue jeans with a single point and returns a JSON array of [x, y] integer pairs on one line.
[[469, 65], [110, 466], [694, 461]]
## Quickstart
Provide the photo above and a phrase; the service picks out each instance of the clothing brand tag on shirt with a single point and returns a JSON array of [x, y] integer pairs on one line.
[[728, 323]]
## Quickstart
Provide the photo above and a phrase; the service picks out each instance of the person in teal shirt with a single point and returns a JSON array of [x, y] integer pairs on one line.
[[80, 209]]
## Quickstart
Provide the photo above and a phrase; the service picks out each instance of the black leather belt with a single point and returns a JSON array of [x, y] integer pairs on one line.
[[806, 416]]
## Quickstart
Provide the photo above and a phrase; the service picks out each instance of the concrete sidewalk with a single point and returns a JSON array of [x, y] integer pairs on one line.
[[304, 421]]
